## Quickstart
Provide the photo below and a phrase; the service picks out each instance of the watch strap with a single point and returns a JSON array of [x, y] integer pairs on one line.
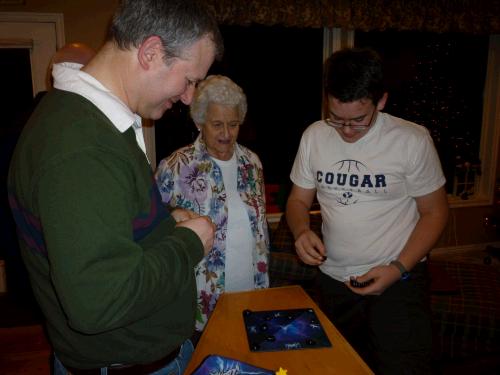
[[404, 272]]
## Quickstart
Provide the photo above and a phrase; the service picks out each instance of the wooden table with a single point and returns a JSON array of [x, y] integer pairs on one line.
[[225, 335]]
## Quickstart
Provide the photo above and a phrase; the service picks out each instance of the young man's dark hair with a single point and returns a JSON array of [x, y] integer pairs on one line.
[[354, 74]]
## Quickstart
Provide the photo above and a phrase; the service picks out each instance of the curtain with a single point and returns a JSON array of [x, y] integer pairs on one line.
[[470, 16]]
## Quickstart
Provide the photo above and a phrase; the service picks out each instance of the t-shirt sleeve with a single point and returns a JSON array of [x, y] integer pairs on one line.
[[425, 174], [302, 175]]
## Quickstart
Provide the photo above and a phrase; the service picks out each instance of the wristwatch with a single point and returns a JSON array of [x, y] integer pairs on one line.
[[404, 273]]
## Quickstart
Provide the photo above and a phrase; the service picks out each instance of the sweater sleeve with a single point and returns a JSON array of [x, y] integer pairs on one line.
[[103, 278]]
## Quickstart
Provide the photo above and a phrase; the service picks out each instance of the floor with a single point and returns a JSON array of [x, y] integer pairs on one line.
[[25, 351]]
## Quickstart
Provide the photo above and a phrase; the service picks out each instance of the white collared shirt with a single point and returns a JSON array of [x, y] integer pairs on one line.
[[69, 77]]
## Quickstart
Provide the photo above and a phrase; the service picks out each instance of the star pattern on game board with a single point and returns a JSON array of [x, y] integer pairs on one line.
[[281, 372]]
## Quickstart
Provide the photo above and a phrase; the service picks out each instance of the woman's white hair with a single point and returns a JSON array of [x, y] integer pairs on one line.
[[219, 90]]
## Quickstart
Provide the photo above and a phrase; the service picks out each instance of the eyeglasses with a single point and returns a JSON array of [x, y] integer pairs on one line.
[[355, 126]]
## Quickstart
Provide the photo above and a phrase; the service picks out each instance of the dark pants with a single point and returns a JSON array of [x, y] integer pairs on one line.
[[391, 332]]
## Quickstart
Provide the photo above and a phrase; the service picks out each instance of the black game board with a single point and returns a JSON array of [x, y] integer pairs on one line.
[[219, 365], [277, 330]]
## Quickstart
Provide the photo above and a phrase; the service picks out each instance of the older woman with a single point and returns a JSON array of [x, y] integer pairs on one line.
[[218, 177]]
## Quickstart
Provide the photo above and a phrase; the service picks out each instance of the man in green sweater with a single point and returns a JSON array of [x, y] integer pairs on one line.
[[111, 269]]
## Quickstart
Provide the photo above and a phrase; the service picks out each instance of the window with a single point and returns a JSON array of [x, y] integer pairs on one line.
[[476, 180], [438, 80]]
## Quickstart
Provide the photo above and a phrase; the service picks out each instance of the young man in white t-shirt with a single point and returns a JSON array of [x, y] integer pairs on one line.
[[379, 183]]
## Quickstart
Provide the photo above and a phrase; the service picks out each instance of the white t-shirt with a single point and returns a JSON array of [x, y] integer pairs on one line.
[[366, 189], [239, 273]]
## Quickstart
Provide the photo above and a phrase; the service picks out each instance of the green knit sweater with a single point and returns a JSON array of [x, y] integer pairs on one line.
[[111, 272]]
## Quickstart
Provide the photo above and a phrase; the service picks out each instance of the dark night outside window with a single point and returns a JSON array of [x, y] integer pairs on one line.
[[437, 80], [280, 71]]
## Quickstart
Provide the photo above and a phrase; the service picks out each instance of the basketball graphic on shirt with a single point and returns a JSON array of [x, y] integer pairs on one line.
[[350, 166]]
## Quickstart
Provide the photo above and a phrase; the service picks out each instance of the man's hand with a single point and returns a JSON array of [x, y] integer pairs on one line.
[[204, 228], [310, 248], [383, 277], [181, 214]]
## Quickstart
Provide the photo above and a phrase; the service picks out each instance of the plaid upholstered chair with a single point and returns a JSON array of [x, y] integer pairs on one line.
[[465, 306]]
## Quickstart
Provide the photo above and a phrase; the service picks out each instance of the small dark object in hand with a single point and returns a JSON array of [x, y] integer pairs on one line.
[[358, 284]]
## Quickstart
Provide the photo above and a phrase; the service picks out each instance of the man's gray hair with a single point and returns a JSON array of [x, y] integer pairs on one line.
[[178, 23], [219, 90]]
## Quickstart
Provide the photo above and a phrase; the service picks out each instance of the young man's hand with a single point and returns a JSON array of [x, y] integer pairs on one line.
[[310, 248]]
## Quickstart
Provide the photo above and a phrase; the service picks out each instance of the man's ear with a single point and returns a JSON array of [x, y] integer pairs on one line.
[[150, 52], [382, 101]]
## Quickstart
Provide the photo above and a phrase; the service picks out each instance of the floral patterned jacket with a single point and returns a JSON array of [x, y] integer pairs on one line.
[[190, 179]]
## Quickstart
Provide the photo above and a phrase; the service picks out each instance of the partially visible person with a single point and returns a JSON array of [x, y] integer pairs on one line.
[[380, 186], [75, 53], [218, 177], [110, 267]]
